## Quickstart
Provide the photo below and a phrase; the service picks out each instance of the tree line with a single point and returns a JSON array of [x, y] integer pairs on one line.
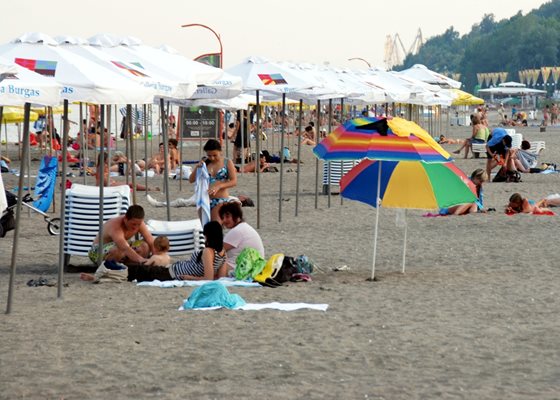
[[520, 42]]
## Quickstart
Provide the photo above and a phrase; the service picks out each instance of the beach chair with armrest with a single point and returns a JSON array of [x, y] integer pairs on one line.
[[537, 147], [185, 237], [333, 171], [81, 213]]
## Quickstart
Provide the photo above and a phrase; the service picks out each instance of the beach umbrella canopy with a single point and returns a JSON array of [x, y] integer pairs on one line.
[[260, 74], [176, 66], [422, 73], [461, 98], [408, 184], [380, 139], [142, 73], [82, 80], [12, 115], [18, 85]]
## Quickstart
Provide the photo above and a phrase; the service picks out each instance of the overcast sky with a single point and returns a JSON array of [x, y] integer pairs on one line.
[[288, 30]]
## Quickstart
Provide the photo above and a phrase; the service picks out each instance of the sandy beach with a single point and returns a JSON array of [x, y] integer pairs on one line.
[[475, 316]]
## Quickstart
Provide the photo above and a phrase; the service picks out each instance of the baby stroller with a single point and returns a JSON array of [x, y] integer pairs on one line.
[[44, 192], [8, 222]]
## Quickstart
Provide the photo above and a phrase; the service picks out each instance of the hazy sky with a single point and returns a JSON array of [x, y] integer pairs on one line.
[[291, 30]]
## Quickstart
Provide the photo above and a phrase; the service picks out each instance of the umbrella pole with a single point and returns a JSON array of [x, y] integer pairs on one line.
[[316, 159], [404, 245], [101, 177], [65, 129], [342, 121], [163, 117], [258, 162], [377, 202], [328, 162], [25, 144], [179, 137], [300, 122], [281, 157], [133, 162]]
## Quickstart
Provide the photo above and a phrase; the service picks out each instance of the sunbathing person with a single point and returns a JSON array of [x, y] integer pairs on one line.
[[206, 264], [520, 205], [157, 162], [446, 140], [480, 133], [252, 166], [109, 182], [478, 177], [223, 176], [173, 154], [118, 238]]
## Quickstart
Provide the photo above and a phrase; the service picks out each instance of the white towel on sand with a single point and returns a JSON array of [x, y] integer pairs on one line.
[[174, 284]]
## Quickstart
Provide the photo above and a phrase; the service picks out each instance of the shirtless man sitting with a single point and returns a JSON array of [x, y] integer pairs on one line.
[[118, 238]]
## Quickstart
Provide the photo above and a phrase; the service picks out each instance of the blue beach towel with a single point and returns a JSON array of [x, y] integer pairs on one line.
[[213, 294]]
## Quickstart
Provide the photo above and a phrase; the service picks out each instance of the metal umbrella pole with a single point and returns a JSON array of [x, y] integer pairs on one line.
[[101, 177], [317, 159], [178, 127], [281, 157], [25, 144], [328, 162], [378, 203], [145, 124], [163, 116], [258, 163], [342, 121], [65, 129], [82, 145], [299, 154], [130, 156]]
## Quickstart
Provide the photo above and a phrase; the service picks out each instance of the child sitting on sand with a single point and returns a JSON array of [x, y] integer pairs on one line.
[[160, 256], [520, 205]]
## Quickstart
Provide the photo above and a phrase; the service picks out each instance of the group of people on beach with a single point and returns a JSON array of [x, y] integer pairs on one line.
[[147, 259]]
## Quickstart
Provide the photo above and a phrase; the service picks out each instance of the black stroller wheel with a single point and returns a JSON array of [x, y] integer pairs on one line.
[[54, 226]]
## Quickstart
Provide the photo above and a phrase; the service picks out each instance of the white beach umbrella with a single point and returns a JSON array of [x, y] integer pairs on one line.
[[393, 88], [18, 86], [82, 80], [227, 87], [160, 85], [327, 85], [422, 73], [175, 65], [260, 75]]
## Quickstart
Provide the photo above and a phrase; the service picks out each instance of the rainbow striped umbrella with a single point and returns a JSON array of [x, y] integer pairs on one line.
[[406, 184], [384, 139]]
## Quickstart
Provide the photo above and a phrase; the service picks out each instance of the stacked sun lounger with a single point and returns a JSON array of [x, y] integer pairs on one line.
[[336, 171], [185, 237], [81, 213]]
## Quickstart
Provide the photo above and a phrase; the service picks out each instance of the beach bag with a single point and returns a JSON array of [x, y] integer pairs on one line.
[[7, 223], [501, 176], [304, 265], [248, 264], [287, 270]]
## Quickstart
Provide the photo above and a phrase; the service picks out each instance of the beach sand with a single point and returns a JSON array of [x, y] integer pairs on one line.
[[475, 316]]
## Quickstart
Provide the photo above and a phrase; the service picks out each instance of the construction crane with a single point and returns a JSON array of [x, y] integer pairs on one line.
[[395, 52]]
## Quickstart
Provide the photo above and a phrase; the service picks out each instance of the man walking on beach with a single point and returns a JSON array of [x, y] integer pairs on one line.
[[118, 235]]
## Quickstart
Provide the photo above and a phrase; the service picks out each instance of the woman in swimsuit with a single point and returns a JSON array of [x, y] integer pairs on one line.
[[222, 176]]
